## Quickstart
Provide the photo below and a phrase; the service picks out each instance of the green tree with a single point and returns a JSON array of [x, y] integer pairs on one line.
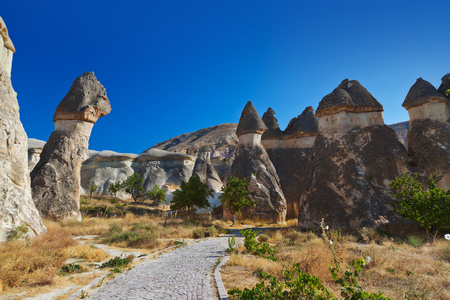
[[157, 194], [430, 208], [235, 196], [92, 188], [133, 185], [447, 92], [114, 188], [193, 193]]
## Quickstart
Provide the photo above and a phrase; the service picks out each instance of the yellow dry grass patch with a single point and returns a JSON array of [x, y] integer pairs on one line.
[[399, 270]]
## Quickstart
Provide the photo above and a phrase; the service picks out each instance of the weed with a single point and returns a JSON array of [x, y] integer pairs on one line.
[[70, 269], [231, 244], [258, 248], [414, 240], [18, 232]]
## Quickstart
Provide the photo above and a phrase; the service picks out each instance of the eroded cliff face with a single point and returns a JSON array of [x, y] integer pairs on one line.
[[55, 180], [349, 178], [16, 206]]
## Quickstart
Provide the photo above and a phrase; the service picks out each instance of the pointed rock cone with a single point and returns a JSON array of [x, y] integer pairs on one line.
[[422, 92], [445, 85], [271, 122], [250, 121]]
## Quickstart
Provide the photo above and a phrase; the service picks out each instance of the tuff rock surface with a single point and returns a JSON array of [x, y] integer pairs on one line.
[[352, 164], [253, 164], [206, 171], [16, 206], [222, 140], [290, 153], [348, 178], [55, 180], [429, 149]]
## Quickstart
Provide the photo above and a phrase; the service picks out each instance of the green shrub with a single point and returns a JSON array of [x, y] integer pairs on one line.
[[258, 248], [414, 240]]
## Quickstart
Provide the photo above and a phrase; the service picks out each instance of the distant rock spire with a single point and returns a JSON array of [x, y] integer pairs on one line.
[[250, 121], [271, 122]]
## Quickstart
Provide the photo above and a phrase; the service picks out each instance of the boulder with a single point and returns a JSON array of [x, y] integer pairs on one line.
[[16, 205], [253, 164], [34, 152], [55, 180]]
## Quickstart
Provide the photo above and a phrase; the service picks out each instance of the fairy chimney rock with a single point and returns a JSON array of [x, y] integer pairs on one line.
[[445, 85], [6, 48], [55, 180], [423, 101], [349, 105], [271, 122], [251, 126]]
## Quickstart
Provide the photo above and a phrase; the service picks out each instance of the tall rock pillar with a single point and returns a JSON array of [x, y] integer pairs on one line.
[[55, 180], [253, 164], [16, 205], [354, 158], [429, 129]]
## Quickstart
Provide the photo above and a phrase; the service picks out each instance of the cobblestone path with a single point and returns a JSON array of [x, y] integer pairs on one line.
[[184, 273]]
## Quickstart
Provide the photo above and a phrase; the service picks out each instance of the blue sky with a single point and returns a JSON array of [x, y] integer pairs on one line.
[[171, 67]]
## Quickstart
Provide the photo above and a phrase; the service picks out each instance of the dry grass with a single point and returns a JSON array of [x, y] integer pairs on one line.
[[400, 270]]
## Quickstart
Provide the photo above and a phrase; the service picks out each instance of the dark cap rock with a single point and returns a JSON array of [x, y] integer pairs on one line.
[[250, 121], [86, 100], [422, 92], [349, 96], [306, 124], [445, 85], [271, 122]]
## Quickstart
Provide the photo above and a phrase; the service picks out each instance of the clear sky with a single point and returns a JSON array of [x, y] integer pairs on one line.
[[171, 67]]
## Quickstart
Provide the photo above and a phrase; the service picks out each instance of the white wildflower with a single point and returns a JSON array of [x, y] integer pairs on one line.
[[447, 236], [326, 227], [331, 242], [368, 259]]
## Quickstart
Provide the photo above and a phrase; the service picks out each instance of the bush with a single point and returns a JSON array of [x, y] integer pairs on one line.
[[414, 240], [258, 248]]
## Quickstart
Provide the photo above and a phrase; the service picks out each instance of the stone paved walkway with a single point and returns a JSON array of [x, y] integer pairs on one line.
[[184, 273]]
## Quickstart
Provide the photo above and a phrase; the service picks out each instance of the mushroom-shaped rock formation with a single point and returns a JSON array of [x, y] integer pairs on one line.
[[291, 154], [424, 101], [445, 85], [253, 164], [271, 122], [55, 180], [349, 105], [347, 180], [206, 171], [16, 206], [429, 130]]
